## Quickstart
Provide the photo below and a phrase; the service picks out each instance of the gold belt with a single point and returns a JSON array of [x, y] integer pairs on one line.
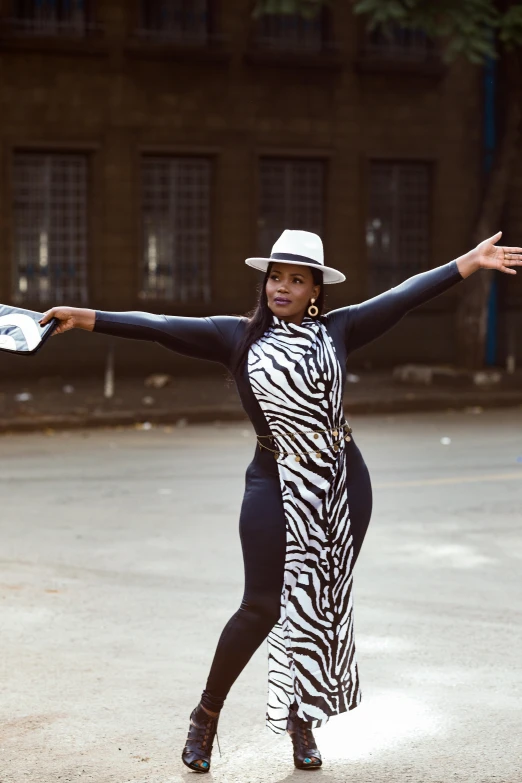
[[342, 432]]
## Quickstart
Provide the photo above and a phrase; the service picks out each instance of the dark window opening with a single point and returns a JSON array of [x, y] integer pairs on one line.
[[50, 17], [50, 228], [292, 196], [292, 32], [397, 228], [393, 42], [181, 21], [176, 228]]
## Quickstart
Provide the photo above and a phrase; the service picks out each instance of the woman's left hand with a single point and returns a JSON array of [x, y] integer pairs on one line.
[[491, 256]]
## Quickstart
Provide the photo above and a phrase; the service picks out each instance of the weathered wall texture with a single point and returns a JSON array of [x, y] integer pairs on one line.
[[116, 99]]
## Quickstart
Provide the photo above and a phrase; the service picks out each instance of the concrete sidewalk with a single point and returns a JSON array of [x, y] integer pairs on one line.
[[61, 403]]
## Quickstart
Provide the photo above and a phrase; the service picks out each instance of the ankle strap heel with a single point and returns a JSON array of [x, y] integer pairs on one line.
[[198, 747], [306, 754]]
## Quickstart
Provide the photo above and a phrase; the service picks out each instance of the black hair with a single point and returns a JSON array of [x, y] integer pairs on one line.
[[260, 318]]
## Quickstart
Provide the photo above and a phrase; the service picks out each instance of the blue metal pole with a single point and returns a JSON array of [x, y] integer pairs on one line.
[[488, 154]]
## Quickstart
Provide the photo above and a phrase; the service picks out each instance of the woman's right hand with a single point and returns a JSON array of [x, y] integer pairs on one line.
[[69, 318]]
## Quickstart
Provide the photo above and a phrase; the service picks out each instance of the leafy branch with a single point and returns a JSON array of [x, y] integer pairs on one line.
[[473, 29]]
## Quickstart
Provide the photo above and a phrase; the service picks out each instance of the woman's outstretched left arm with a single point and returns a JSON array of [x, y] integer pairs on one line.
[[372, 318]]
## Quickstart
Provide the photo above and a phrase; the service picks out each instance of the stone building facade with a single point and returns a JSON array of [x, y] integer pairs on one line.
[[148, 148]]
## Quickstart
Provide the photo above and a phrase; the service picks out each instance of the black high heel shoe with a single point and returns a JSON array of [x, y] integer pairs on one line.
[[303, 740], [200, 738]]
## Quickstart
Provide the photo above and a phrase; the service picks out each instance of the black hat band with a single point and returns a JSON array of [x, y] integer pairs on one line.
[[293, 257]]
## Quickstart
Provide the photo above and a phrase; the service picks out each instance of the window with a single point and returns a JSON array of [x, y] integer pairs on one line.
[[49, 17], [50, 228], [397, 228], [394, 42], [176, 229], [291, 32], [292, 196], [183, 21]]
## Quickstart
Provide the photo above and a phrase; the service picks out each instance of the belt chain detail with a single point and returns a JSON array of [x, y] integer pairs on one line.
[[342, 432]]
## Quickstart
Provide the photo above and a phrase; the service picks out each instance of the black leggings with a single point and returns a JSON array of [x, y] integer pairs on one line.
[[262, 530]]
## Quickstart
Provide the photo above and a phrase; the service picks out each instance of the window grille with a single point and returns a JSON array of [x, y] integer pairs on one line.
[[394, 42], [291, 32], [397, 229], [176, 229], [292, 196], [184, 21], [49, 17], [50, 228]]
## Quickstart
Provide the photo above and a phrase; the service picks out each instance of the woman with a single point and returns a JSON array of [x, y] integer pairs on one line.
[[308, 499]]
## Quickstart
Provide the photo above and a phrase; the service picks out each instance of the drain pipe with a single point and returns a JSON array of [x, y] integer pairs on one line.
[[488, 151]]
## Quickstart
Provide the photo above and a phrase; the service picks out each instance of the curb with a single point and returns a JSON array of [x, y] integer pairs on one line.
[[203, 415], [121, 418]]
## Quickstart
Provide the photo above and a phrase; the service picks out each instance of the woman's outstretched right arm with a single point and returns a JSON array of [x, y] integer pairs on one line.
[[210, 338]]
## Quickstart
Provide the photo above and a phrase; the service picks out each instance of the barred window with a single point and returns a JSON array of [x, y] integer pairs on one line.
[[185, 21], [50, 228], [49, 17], [176, 228], [291, 32], [397, 228], [393, 42], [292, 196]]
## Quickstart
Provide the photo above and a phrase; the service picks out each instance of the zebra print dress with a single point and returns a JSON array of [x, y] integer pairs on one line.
[[296, 378], [293, 382]]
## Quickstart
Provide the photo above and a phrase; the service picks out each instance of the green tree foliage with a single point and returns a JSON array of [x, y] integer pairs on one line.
[[473, 29], [469, 28]]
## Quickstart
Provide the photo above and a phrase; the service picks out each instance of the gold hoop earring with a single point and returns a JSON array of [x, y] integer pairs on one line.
[[312, 310]]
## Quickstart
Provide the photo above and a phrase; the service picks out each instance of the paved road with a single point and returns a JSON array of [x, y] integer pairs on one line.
[[121, 563]]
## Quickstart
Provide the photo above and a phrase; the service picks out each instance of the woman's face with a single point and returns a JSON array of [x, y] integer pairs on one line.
[[289, 288]]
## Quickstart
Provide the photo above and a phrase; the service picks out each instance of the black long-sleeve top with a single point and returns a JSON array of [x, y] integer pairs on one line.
[[217, 337]]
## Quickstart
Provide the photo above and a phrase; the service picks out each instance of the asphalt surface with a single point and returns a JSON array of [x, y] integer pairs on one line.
[[121, 563]]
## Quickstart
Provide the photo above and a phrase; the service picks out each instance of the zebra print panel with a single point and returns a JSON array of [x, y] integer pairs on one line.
[[296, 378]]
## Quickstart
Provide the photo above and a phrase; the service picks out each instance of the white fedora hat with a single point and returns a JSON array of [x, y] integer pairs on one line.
[[299, 247]]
